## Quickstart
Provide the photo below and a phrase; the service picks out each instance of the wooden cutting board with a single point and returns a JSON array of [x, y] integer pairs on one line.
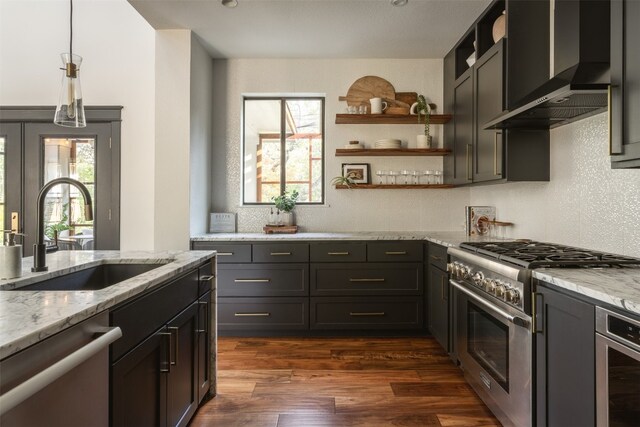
[[407, 97], [367, 87]]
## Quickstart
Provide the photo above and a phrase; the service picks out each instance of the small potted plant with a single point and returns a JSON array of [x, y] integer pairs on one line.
[[285, 204], [423, 108]]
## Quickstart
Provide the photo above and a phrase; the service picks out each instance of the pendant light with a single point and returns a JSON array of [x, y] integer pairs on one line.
[[70, 110]]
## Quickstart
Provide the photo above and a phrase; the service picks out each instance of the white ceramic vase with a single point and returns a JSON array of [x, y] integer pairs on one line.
[[424, 141], [287, 218]]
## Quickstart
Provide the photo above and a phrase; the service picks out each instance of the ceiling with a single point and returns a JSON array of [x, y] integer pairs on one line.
[[318, 28]]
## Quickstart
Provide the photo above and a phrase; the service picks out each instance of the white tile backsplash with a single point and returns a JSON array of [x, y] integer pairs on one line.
[[586, 203]]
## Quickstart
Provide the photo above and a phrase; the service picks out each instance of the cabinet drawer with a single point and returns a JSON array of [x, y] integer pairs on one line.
[[366, 313], [227, 253], [338, 252], [367, 279], [263, 313], [281, 252], [244, 280], [394, 252], [438, 256], [140, 318], [207, 278]]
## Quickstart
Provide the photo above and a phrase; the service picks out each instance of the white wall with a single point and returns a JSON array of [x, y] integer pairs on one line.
[[200, 150], [344, 210], [586, 204], [173, 133], [117, 45]]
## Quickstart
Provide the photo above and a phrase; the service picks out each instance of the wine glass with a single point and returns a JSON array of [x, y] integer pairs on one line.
[[416, 177], [427, 175], [438, 177], [405, 174], [392, 177], [380, 174]]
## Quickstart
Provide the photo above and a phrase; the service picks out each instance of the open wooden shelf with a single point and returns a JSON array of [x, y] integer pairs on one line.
[[389, 119], [386, 152], [392, 186]]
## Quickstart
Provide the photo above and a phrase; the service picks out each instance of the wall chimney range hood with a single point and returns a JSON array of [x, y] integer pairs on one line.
[[579, 87]]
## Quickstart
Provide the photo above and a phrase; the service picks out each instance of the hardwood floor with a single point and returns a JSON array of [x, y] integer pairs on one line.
[[345, 382]]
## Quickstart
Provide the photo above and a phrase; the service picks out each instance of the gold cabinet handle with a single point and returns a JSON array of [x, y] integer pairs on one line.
[[224, 253], [252, 280], [610, 119], [367, 280], [337, 253], [165, 365], [374, 313], [442, 288], [495, 153], [437, 258], [206, 316], [395, 253], [469, 147], [280, 253], [252, 314], [207, 278]]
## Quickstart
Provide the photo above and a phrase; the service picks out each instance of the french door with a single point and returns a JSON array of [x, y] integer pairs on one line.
[[35, 153]]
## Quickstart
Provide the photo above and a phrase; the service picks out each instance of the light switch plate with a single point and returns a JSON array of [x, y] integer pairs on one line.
[[222, 222]]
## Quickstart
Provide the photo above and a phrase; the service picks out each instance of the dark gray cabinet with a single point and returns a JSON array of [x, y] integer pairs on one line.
[[625, 84], [475, 95], [565, 360], [160, 368], [288, 288], [488, 75], [437, 296]]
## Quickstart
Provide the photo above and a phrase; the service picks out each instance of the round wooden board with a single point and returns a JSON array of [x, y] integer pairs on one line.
[[365, 88]]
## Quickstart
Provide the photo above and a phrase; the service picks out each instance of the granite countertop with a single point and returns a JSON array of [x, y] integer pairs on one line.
[[446, 238], [27, 317], [618, 287]]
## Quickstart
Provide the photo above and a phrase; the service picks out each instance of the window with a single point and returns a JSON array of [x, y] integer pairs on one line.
[[283, 149]]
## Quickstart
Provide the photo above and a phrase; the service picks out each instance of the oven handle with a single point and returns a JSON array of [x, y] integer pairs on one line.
[[513, 319]]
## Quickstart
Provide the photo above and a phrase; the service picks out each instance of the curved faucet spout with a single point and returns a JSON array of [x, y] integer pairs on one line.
[[39, 248]]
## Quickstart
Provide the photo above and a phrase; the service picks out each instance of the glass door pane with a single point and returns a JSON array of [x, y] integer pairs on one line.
[[3, 180], [488, 343], [10, 175], [65, 222]]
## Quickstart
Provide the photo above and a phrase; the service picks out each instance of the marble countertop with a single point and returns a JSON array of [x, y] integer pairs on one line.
[[618, 287], [446, 238], [27, 317]]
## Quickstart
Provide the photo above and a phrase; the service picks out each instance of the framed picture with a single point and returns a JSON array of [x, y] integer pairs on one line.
[[359, 172]]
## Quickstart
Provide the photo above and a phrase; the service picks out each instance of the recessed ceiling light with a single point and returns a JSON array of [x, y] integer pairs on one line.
[[230, 3], [399, 2]]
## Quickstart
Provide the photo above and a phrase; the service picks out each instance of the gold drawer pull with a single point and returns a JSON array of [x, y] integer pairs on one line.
[[337, 253], [207, 278], [375, 313], [280, 253], [252, 280], [224, 253], [252, 314], [366, 280], [395, 253], [437, 258]]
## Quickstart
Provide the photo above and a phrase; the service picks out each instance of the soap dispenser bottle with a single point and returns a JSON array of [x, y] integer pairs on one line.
[[10, 257]]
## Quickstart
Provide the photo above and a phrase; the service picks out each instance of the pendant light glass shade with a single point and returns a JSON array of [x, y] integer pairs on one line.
[[70, 110]]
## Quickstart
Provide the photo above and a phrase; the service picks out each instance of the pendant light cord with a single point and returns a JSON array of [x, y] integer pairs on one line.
[[71, 31]]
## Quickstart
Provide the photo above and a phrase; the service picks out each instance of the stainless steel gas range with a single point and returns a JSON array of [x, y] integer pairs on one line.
[[493, 316]]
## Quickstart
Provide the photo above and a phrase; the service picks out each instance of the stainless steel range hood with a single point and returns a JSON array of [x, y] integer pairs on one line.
[[581, 64]]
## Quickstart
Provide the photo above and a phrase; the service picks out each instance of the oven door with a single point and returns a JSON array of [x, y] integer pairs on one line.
[[494, 344], [617, 370]]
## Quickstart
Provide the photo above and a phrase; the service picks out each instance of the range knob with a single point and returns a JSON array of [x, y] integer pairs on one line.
[[465, 272], [450, 267], [489, 285], [478, 278], [513, 296], [500, 289]]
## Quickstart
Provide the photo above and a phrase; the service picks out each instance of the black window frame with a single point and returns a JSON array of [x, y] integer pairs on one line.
[[283, 138]]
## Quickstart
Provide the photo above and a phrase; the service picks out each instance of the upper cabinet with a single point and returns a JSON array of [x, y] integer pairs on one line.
[[480, 82], [624, 131]]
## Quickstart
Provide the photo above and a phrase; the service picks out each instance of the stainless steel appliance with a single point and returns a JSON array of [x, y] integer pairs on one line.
[[617, 369], [493, 316]]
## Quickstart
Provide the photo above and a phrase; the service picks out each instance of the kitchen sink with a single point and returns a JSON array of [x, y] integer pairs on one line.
[[91, 279]]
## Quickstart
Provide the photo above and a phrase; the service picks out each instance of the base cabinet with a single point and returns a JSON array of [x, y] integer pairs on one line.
[[160, 378], [565, 360], [437, 297]]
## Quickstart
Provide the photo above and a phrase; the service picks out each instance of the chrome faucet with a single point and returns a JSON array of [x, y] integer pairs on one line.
[[39, 248]]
